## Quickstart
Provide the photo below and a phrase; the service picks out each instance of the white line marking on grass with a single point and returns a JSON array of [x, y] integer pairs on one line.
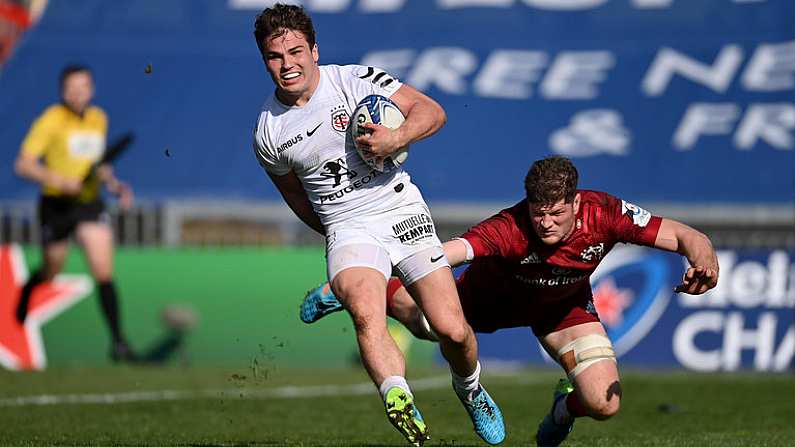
[[284, 392]]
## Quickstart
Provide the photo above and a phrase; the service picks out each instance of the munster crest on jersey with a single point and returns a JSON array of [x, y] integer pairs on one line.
[[340, 118], [593, 252]]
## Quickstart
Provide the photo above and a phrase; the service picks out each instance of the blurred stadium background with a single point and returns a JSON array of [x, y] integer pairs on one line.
[[684, 108]]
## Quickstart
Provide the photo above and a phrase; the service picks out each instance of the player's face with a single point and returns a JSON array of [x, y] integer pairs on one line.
[[554, 223], [77, 91], [293, 67]]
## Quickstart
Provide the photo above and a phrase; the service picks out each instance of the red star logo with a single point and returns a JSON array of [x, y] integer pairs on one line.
[[610, 302], [21, 346]]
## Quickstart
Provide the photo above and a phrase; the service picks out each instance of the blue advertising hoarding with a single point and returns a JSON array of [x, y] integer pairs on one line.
[[746, 323], [656, 100]]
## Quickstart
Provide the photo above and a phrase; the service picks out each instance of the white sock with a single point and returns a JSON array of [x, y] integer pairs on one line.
[[465, 385], [394, 381], [561, 412]]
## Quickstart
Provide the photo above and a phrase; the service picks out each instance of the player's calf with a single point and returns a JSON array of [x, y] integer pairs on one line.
[[38, 277]]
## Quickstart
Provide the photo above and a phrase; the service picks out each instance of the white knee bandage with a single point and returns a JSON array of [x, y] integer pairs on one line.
[[583, 352]]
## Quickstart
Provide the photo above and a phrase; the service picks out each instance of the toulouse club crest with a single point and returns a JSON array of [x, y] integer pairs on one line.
[[340, 118]]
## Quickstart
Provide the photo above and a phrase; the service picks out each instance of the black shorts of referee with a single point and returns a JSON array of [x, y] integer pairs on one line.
[[59, 216]]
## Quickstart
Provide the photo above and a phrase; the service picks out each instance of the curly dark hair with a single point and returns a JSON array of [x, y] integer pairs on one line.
[[551, 179], [280, 18]]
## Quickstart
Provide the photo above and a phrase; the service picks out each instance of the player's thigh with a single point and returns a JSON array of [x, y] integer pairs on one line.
[[437, 296], [358, 269], [585, 353], [96, 239], [436, 293], [554, 341], [362, 291]]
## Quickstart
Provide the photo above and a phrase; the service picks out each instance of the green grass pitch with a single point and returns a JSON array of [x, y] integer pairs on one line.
[[132, 406]]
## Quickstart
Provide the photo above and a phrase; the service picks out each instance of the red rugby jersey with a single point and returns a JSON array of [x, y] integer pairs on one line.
[[510, 259]]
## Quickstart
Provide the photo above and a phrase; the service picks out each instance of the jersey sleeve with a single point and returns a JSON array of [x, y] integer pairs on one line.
[[101, 118], [491, 237], [631, 223], [267, 155], [103, 124], [363, 80], [39, 135]]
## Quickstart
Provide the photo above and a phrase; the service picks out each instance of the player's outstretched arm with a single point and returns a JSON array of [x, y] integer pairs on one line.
[[294, 194], [424, 117], [702, 274]]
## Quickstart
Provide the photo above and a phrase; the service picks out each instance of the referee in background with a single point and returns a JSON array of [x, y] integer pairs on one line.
[[61, 153]]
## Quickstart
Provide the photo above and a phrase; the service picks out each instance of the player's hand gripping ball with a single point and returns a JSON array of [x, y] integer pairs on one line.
[[381, 110]]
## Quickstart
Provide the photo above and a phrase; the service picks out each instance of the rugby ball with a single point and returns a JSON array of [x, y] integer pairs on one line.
[[381, 110]]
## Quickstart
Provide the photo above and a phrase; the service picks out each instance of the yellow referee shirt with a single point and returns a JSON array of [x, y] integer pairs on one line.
[[69, 144]]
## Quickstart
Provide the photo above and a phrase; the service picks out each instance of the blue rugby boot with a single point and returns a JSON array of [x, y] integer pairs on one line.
[[405, 416], [318, 303], [485, 414], [550, 433]]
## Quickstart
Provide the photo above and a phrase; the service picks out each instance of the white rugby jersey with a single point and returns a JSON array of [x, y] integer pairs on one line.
[[313, 141]]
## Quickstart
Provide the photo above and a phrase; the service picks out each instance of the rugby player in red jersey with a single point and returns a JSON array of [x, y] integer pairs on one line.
[[530, 265]]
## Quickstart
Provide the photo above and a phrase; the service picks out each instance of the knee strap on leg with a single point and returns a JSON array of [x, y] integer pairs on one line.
[[583, 352]]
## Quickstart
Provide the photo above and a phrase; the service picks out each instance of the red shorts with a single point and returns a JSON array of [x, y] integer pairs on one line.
[[488, 310]]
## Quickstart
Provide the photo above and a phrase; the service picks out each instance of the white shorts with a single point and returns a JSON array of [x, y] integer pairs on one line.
[[404, 238]]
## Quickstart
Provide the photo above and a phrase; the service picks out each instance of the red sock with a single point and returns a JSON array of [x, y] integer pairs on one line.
[[574, 405], [392, 286]]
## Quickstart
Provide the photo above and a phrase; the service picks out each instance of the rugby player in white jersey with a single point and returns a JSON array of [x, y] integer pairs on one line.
[[373, 221]]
